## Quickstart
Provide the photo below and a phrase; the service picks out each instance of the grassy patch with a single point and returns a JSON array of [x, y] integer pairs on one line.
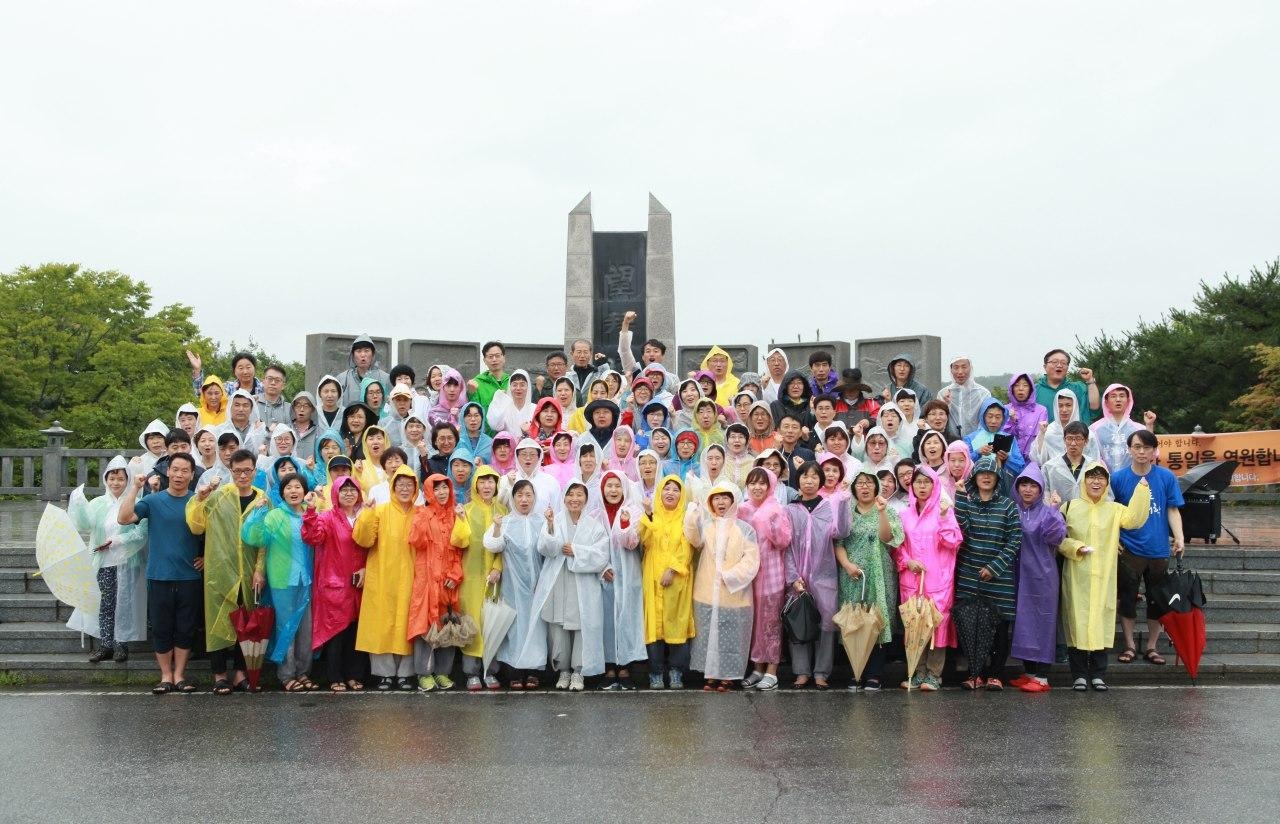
[[13, 679]]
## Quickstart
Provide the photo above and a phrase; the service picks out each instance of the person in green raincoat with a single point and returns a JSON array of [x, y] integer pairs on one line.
[[233, 571]]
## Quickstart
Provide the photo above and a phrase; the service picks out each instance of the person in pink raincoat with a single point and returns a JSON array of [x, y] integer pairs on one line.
[[452, 397], [562, 459], [621, 452], [773, 535], [338, 578], [929, 553], [958, 465]]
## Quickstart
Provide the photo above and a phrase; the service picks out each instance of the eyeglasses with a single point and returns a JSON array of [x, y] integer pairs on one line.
[[1055, 362], [248, 471], [1140, 447], [1073, 438]]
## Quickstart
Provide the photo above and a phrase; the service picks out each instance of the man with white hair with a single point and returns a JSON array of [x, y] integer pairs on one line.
[[964, 396]]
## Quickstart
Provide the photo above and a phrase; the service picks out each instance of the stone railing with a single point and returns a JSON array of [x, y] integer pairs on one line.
[[52, 472]]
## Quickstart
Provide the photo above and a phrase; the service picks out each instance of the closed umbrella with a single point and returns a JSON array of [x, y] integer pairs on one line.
[[920, 618], [496, 618], [976, 620], [1182, 601], [253, 629], [860, 626], [65, 562]]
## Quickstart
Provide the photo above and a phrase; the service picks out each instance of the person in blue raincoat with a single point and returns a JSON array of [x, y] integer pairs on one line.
[[980, 443], [686, 449]]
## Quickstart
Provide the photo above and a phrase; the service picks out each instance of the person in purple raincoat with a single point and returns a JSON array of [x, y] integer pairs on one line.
[[1025, 415], [816, 523], [1035, 625]]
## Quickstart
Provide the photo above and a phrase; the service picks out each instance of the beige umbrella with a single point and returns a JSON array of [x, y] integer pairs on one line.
[[66, 564], [860, 626], [920, 617]]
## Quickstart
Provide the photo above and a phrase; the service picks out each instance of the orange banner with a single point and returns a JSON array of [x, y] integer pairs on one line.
[[1257, 453]]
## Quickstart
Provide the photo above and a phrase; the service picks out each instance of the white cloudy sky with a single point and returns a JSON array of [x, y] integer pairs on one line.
[[863, 168]]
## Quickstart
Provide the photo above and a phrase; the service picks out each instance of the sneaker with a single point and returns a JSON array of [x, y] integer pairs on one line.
[[122, 654], [1098, 685], [474, 684], [576, 683], [995, 685], [444, 682], [563, 682], [930, 684], [426, 683], [768, 683], [611, 686], [102, 654], [752, 679], [676, 678], [491, 683], [1020, 680], [1034, 686], [655, 681], [853, 687], [1080, 685], [872, 685]]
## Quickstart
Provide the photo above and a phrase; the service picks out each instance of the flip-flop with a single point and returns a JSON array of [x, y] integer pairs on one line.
[[1127, 656], [354, 685], [1153, 657], [222, 687]]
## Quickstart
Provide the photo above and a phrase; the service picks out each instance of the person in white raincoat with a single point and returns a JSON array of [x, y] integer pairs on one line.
[[152, 442], [722, 605], [529, 468], [515, 536], [511, 409], [1050, 441], [622, 587], [567, 599], [121, 566]]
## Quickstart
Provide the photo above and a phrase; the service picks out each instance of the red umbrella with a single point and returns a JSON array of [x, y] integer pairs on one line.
[[253, 629], [1181, 601]]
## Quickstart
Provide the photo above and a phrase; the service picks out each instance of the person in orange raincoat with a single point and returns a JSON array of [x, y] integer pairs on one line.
[[438, 535]]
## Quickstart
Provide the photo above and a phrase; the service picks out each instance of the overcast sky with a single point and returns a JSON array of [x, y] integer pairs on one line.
[[862, 168]]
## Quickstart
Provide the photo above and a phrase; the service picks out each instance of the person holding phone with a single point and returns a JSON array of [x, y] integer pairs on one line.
[[991, 439], [1092, 553]]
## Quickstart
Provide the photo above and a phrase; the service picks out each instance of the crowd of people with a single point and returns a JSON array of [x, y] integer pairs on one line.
[[627, 516]]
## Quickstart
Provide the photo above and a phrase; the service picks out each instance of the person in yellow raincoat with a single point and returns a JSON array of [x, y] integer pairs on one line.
[[667, 574], [720, 363], [388, 583], [369, 473], [480, 569], [213, 403], [1092, 552]]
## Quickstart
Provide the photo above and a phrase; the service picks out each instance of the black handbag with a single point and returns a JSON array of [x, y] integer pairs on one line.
[[801, 618]]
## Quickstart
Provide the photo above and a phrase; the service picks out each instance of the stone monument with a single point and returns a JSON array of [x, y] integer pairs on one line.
[[608, 274]]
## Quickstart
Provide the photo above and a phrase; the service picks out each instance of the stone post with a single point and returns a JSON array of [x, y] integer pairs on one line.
[[54, 454]]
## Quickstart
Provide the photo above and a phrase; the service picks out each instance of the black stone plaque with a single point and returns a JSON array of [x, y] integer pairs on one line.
[[619, 287]]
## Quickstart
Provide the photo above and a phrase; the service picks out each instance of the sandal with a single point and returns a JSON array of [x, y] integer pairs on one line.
[[337, 686], [532, 683], [354, 685], [162, 688], [821, 685], [800, 683], [293, 685], [222, 687], [307, 684], [243, 686], [185, 686], [1127, 656], [515, 685], [1153, 657]]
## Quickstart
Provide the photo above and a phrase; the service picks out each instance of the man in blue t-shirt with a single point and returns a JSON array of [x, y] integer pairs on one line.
[[174, 564], [1145, 555]]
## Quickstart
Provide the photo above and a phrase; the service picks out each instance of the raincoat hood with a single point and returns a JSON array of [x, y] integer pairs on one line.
[[118, 462], [785, 398], [328, 435], [364, 441], [971, 383], [1106, 410], [711, 353], [662, 515], [1075, 407], [442, 403], [1031, 473], [336, 487], [786, 362], [185, 409], [836, 426], [904, 358], [722, 488], [511, 462], [311, 399], [1082, 489], [707, 375], [403, 471], [156, 427], [370, 380], [931, 504], [677, 402], [273, 478], [703, 470], [769, 427], [933, 433], [363, 340], [959, 448], [982, 416], [546, 403], [1029, 404]]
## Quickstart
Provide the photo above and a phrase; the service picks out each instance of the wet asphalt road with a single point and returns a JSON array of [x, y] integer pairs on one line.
[[1140, 754]]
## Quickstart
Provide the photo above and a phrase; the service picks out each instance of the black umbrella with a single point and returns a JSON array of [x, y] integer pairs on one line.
[[976, 619]]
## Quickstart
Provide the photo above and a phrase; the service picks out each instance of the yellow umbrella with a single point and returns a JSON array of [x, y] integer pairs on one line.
[[920, 617], [66, 564], [860, 626]]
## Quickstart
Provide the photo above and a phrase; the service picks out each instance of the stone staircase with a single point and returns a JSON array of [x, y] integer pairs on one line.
[[1241, 583]]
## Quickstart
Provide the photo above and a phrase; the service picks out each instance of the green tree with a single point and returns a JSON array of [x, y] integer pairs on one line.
[[84, 347], [1260, 406], [1192, 364]]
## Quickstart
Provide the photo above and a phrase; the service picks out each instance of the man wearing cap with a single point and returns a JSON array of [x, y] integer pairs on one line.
[[401, 400], [964, 396], [402, 374], [855, 405]]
